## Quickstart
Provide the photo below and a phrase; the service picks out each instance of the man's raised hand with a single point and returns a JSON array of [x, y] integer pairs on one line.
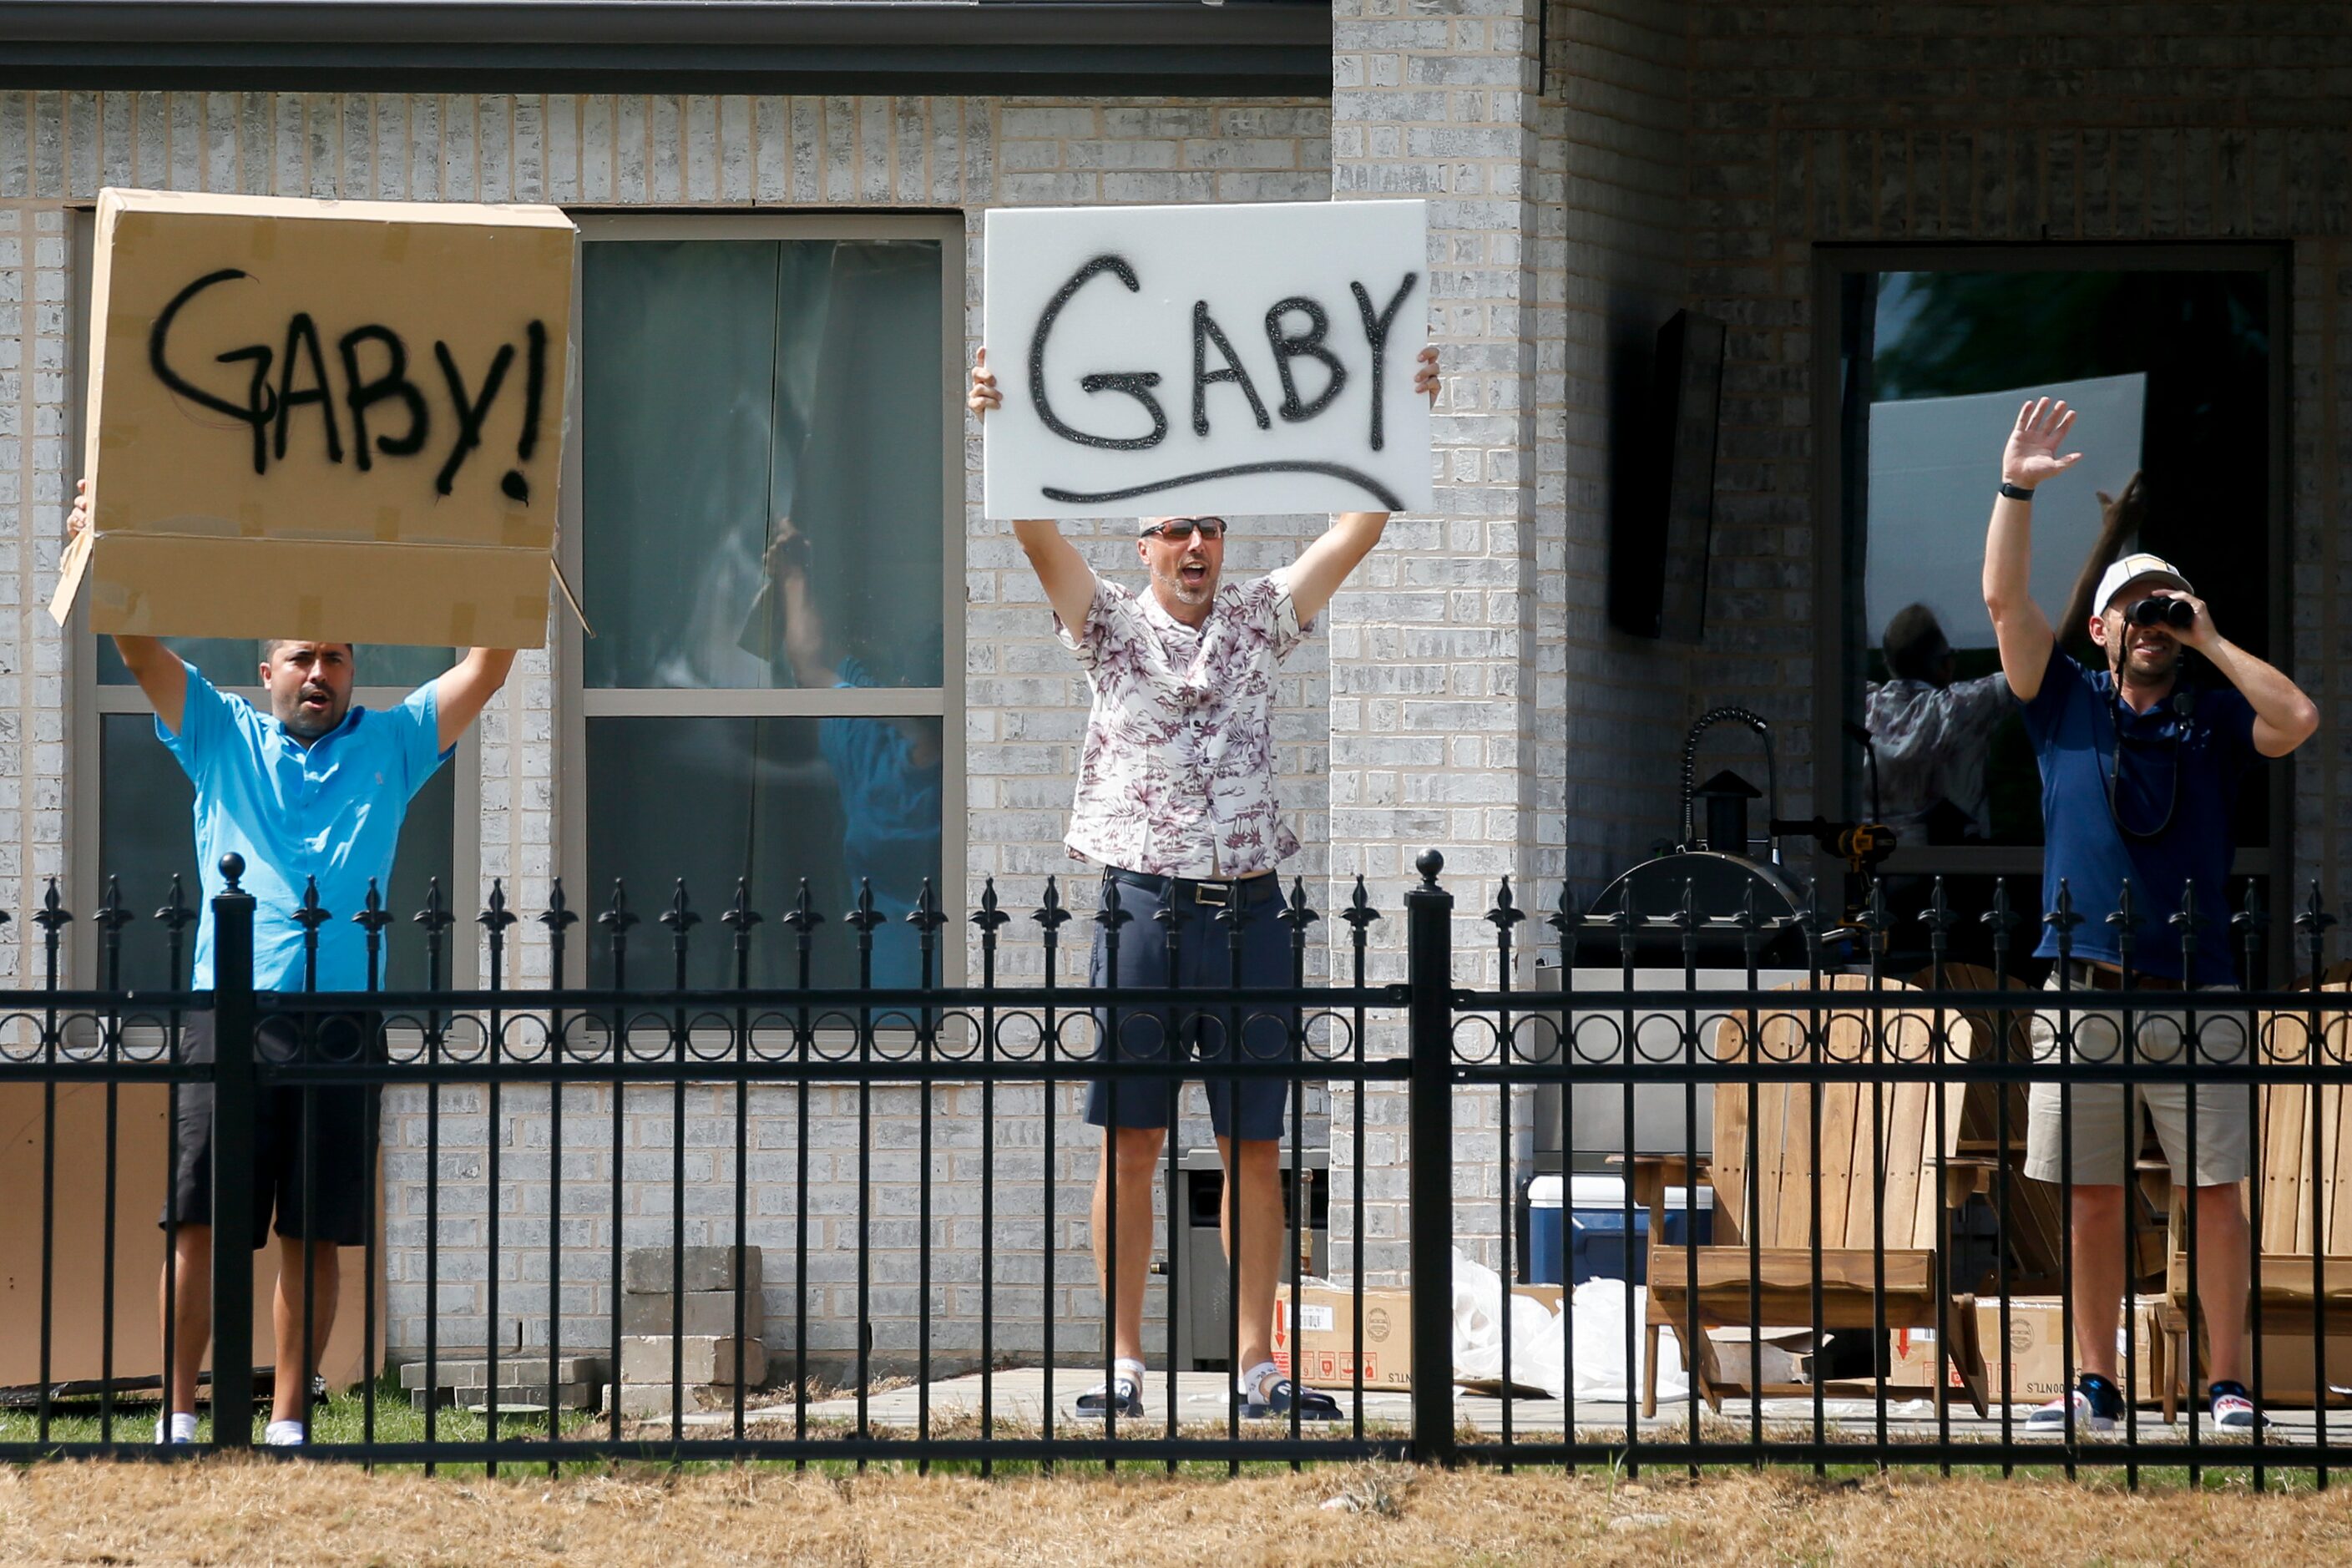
[[984, 396], [2032, 455]]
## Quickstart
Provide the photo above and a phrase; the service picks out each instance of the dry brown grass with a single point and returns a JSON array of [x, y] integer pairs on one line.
[[228, 1511]]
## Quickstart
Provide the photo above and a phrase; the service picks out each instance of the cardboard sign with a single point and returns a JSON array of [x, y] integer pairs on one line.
[[323, 419], [1207, 360]]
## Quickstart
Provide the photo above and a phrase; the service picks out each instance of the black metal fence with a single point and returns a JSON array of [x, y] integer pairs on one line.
[[1864, 1140]]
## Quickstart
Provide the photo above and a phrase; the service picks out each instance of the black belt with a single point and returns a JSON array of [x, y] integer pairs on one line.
[[2099, 977], [1215, 892]]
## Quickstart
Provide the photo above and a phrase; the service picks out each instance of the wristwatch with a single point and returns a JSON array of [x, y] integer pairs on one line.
[[2015, 492]]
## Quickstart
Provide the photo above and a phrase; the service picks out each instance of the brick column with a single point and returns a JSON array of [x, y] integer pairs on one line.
[[1431, 715]]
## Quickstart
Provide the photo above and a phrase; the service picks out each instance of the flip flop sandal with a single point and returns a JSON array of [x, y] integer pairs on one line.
[[1123, 1394], [1276, 1395]]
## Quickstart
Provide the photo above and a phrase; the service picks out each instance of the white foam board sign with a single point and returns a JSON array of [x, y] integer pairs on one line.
[[1207, 360]]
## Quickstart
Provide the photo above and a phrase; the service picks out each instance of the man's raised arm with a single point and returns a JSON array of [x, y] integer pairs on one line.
[[1062, 572], [156, 668], [459, 697], [1323, 566], [2018, 624]]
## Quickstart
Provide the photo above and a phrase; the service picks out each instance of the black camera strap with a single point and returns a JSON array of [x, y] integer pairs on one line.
[[2184, 703]]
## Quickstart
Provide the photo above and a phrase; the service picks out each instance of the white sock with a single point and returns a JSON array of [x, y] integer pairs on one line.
[[182, 1427], [1255, 1380], [283, 1435]]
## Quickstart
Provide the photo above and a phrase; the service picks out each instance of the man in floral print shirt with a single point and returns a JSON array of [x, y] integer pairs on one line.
[[1176, 802]]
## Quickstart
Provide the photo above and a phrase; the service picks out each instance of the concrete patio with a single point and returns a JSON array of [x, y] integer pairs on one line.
[[1019, 1399]]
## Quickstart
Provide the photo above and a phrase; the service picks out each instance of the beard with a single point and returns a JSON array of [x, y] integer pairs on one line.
[[1185, 593], [304, 725], [2152, 661]]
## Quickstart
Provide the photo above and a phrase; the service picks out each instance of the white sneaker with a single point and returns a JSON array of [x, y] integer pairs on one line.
[[283, 1435], [2051, 1418], [180, 1426]]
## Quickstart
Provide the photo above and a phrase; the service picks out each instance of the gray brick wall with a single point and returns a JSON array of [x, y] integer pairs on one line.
[[1436, 726], [1613, 191], [1021, 1240]]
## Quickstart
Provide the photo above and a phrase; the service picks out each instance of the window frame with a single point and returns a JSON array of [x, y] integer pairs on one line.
[[1834, 770], [576, 703], [89, 702]]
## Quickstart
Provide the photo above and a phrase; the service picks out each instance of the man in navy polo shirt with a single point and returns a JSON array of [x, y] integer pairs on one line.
[[2140, 776], [314, 788]]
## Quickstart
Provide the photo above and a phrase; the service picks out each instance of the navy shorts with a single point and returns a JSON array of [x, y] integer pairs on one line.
[[1251, 1108]]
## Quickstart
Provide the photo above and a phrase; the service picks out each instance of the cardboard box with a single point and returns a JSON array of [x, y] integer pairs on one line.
[[1785, 1354], [2287, 1373], [323, 419], [2036, 1361], [1328, 1346], [81, 1240], [2287, 1377]]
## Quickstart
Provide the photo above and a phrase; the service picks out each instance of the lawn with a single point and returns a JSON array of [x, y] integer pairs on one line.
[[266, 1508], [339, 1419], [244, 1511]]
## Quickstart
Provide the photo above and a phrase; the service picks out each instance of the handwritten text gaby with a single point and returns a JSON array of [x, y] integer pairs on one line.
[[291, 391], [1296, 327]]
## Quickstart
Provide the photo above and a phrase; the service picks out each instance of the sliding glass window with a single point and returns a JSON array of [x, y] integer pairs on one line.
[[770, 553]]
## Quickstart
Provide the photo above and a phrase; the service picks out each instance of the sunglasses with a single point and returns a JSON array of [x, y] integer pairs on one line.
[[1177, 530]]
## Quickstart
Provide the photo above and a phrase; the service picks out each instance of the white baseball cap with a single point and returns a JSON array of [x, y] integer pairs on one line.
[[2131, 569]]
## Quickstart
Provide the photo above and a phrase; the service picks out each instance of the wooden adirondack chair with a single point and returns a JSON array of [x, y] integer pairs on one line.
[[2288, 1241], [1768, 1161], [2036, 1222]]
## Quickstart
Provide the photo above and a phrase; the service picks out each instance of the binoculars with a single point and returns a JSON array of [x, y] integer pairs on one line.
[[2178, 613]]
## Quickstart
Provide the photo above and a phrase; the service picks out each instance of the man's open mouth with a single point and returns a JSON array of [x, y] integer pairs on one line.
[[1194, 571]]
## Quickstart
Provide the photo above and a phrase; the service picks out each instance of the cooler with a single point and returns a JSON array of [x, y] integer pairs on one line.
[[1587, 1234]]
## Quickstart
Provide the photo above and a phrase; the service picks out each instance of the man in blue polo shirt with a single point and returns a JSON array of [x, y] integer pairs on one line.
[[2141, 778], [312, 789]]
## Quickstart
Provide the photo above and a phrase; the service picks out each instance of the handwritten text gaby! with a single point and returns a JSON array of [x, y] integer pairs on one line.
[[1297, 328], [387, 415]]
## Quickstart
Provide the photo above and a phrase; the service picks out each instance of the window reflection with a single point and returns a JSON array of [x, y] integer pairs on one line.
[[1929, 732], [773, 801], [729, 382]]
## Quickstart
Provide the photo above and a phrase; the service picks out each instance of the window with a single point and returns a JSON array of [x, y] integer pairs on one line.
[[768, 513], [2174, 360], [131, 804]]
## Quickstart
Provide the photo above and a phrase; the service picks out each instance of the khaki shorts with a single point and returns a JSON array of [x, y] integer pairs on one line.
[[2101, 1155]]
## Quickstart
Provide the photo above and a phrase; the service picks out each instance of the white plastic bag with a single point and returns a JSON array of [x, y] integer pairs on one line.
[[1540, 1338], [1601, 1308]]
